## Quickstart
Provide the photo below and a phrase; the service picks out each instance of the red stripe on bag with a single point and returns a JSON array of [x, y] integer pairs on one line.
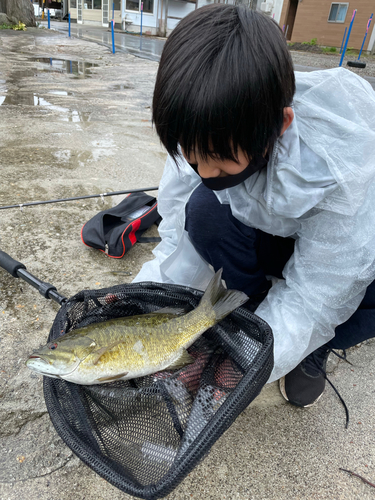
[[135, 227]]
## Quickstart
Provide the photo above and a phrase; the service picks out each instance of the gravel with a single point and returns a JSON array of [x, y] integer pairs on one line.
[[325, 61]]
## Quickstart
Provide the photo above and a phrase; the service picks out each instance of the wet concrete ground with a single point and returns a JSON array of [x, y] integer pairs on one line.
[[75, 120], [147, 47], [151, 48]]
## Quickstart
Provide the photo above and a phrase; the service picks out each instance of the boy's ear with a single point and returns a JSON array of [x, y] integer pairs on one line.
[[288, 118]]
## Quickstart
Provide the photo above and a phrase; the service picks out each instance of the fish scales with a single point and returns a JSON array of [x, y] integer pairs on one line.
[[134, 346], [146, 345]]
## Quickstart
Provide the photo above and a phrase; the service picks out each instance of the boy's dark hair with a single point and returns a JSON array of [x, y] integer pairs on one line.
[[224, 78]]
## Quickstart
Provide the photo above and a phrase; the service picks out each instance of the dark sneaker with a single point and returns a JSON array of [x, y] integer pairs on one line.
[[304, 385]]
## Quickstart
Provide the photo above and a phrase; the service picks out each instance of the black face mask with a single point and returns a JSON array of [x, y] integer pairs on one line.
[[220, 183]]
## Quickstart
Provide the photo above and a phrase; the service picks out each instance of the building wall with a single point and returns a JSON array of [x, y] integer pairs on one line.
[[311, 21], [131, 20], [272, 8], [93, 16], [179, 10]]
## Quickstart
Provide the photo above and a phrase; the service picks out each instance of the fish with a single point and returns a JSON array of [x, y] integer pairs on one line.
[[134, 346]]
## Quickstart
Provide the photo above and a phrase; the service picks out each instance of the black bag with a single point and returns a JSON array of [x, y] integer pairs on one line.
[[115, 231]]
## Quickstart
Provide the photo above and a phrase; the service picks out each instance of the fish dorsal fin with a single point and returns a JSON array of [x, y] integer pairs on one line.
[[183, 360], [176, 311]]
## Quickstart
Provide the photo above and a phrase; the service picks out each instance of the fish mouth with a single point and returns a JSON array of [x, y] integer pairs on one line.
[[48, 364], [38, 356]]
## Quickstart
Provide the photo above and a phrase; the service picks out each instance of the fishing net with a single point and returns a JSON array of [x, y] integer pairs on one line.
[[145, 435]]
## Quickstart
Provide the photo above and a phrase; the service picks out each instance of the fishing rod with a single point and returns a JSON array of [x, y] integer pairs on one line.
[[102, 195]]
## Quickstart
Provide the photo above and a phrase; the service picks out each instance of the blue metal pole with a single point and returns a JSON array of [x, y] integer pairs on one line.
[[49, 20], [113, 37], [69, 23], [141, 16], [347, 38], [343, 38], [368, 25]]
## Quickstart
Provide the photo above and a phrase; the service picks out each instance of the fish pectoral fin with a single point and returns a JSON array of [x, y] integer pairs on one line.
[[183, 360], [176, 311], [112, 378], [99, 353]]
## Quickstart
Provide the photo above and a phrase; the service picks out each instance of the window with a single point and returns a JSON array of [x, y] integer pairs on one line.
[[338, 12], [114, 4], [92, 4], [135, 5], [73, 4]]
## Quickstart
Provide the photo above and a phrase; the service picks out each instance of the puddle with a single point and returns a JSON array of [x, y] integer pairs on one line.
[[17, 74], [63, 155], [31, 99], [103, 148], [121, 86], [80, 69], [60, 92]]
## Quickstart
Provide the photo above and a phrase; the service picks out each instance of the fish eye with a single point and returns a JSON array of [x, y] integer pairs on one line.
[[52, 346]]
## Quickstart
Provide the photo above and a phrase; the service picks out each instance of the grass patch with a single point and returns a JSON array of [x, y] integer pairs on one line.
[[5, 27], [313, 41], [329, 50], [350, 51]]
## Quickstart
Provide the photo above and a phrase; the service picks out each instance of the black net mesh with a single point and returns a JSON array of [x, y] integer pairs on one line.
[[145, 435]]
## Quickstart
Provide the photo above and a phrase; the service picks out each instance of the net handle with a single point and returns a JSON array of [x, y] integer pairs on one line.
[[18, 270]]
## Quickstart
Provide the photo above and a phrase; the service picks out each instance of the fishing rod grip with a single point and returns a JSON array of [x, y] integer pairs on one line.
[[9, 264]]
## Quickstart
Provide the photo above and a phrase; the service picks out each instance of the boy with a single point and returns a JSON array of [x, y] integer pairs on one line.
[[271, 181]]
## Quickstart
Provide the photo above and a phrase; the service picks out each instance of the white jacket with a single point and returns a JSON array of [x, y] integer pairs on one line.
[[318, 188]]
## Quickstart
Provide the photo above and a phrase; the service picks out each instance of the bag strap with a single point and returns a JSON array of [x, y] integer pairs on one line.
[[149, 239]]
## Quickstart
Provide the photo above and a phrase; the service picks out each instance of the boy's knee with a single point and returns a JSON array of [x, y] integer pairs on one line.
[[204, 216]]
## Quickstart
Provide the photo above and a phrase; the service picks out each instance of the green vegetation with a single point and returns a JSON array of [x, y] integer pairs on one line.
[[351, 51], [20, 26], [313, 41], [329, 50]]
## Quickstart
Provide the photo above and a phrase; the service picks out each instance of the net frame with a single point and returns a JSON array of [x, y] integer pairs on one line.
[[73, 409]]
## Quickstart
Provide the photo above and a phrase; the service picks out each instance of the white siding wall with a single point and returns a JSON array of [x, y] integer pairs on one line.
[[149, 21], [276, 7], [181, 9], [371, 42], [176, 9]]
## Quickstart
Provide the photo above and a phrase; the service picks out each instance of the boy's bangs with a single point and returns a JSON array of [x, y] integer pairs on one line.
[[208, 138]]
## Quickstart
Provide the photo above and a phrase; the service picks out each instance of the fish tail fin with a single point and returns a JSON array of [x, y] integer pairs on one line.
[[220, 300]]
